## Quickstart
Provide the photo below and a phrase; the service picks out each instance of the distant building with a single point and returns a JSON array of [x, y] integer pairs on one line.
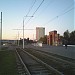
[[40, 32], [53, 38], [8, 41]]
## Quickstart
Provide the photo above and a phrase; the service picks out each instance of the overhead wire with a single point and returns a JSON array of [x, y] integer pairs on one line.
[[24, 18], [45, 8], [30, 9], [58, 16], [66, 12], [69, 7], [35, 11]]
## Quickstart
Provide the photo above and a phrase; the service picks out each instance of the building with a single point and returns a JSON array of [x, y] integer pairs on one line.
[[53, 38], [6, 42], [40, 32]]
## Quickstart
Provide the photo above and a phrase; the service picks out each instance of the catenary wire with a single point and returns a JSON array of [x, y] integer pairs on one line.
[[58, 16], [30, 9], [44, 9], [35, 11]]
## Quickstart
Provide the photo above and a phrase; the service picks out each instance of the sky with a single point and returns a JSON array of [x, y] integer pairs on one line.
[[52, 14]]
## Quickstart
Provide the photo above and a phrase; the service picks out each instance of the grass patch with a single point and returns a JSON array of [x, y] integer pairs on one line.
[[8, 63]]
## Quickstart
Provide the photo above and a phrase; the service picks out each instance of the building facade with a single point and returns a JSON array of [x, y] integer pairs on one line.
[[53, 38], [40, 32]]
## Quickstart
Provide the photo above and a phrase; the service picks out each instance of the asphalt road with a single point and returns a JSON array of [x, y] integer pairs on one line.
[[60, 50]]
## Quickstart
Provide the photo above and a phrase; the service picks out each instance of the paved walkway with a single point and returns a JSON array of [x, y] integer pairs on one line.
[[60, 50]]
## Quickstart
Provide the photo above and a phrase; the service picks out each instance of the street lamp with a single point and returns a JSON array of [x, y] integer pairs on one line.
[[23, 28]]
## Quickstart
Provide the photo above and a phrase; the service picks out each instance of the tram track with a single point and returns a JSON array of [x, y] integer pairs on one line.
[[35, 66], [65, 67]]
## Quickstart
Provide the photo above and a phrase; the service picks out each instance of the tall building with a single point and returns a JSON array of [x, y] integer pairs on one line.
[[40, 32]]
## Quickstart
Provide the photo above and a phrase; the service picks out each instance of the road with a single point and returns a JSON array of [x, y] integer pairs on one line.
[[60, 50]]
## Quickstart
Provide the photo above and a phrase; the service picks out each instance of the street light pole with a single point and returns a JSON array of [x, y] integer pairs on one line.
[[23, 33], [23, 28], [1, 25], [1, 31], [18, 38]]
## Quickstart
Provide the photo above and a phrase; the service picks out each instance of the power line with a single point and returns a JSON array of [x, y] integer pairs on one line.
[[58, 16], [69, 6], [66, 12], [24, 29], [25, 18], [44, 9], [55, 16], [35, 10], [30, 9], [61, 14]]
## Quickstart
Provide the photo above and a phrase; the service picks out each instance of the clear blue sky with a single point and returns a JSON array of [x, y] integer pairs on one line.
[[52, 14]]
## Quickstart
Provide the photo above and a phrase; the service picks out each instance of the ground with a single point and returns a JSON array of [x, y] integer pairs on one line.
[[7, 62]]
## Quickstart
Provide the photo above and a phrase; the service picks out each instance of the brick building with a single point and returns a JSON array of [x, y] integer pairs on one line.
[[53, 38]]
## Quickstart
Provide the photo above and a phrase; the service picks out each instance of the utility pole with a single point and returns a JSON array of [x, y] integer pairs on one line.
[[1, 31], [23, 29], [23, 33], [1, 25], [18, 38]]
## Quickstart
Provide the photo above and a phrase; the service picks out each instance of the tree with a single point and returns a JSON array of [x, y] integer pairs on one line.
[[43, 39], [62, 39], [72, 37], [66, 35], [69, 37], [20, 41]]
